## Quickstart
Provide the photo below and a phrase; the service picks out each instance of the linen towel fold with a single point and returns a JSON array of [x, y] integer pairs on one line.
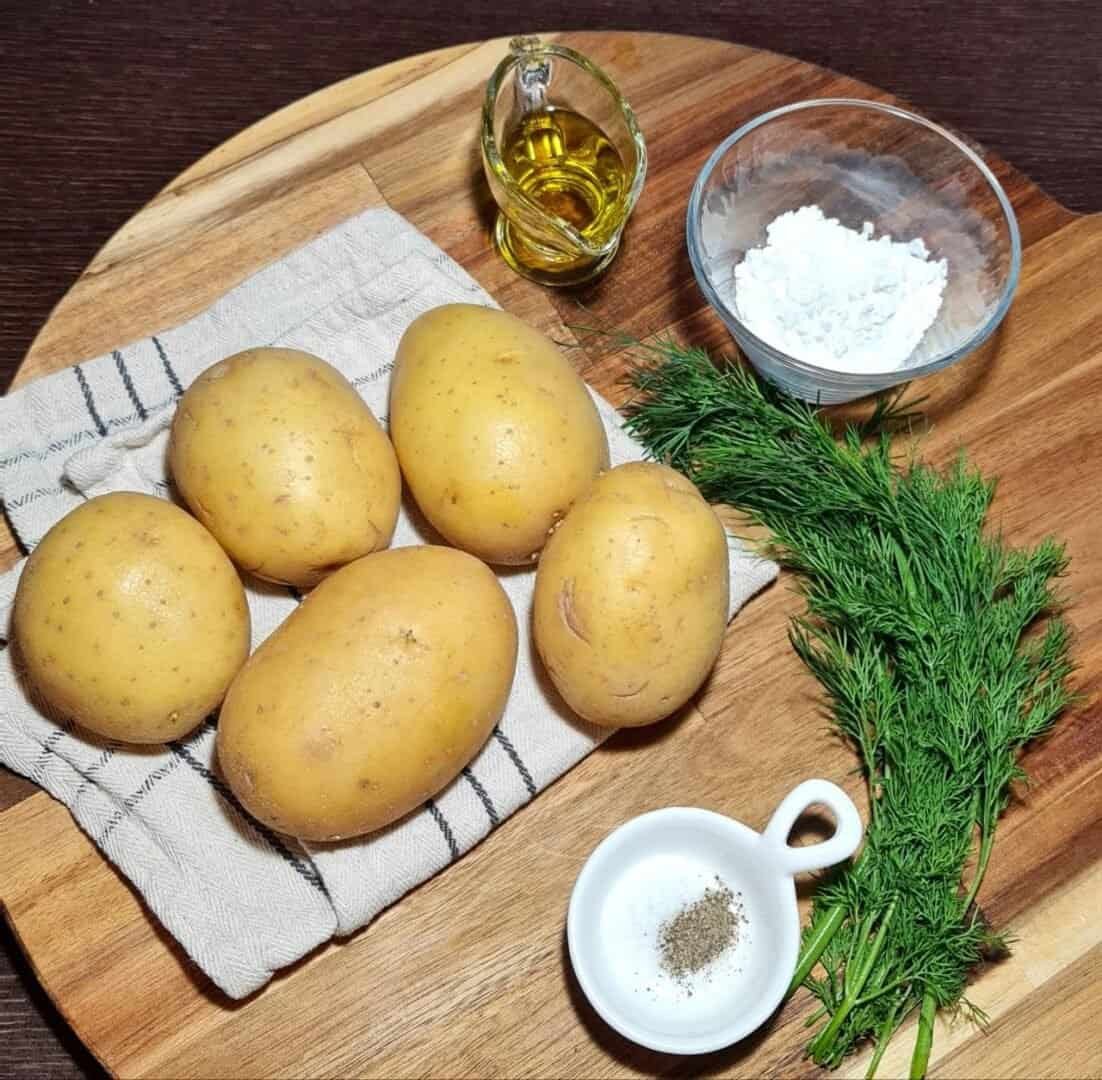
[[242, 900]]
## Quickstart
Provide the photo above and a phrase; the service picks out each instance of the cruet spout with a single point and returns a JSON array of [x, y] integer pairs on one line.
[[533, 73]]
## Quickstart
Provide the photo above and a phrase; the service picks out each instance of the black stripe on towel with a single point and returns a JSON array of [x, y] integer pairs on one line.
[[309, 873], [132, 800], [177, 388], [33, 497], [46, 751], [514, 757], [445, 828], [128, 385], [109, 752], [105, 756], [484, 798], [90, 402], [374, 376]]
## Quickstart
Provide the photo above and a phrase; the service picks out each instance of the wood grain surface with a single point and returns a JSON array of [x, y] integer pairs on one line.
[[477, 1002], [103, 102]]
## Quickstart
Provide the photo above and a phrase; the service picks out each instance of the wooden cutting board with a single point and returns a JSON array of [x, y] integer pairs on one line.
[[468, 976]]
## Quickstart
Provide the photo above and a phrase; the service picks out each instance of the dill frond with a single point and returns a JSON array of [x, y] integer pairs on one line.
[[924, 633]]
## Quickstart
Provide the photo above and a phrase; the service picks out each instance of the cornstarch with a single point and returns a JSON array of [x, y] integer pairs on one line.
[[835, 297]]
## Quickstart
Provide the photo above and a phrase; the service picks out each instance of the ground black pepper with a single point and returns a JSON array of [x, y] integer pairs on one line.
[[700, 932]]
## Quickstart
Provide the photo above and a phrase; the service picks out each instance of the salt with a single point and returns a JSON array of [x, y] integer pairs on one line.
[[836, 297]]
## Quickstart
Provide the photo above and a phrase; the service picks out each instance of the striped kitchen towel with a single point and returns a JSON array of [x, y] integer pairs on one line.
[[242, 900]]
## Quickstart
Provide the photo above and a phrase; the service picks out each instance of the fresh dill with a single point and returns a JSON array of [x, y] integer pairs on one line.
[[938, 646]]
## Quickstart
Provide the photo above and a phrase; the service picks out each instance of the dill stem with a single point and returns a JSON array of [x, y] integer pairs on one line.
[[813, 948], [816, 1016], [820, 1047], [857, 940], [873, 780], [921, 1057], [987, 844], [893, 985], [887, 1029], [878, 1053]]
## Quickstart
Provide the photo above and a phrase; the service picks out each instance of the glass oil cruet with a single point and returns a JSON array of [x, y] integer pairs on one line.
[[565, 161]]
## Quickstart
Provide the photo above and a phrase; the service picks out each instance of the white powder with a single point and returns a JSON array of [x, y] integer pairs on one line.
[[835, 297]]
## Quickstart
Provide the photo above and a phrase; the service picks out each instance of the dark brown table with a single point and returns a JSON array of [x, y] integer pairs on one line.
[[102, 102]]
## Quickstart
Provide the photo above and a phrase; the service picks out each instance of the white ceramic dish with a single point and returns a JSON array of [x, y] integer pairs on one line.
[[647, 869]]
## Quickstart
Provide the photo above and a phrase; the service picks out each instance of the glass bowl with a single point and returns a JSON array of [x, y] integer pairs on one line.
[[859, 161]]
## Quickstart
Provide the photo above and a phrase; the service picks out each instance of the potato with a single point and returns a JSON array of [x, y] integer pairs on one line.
[[130, 619], [372, 696], [275, 452], [496, 434], [631, 596]]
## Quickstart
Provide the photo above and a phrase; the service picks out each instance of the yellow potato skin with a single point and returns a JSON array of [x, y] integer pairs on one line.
[[372, 696], [495, 432], [631, 596], [274, 451], [130, 619]]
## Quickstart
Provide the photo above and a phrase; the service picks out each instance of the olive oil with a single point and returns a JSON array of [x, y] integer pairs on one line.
[[568, 166]]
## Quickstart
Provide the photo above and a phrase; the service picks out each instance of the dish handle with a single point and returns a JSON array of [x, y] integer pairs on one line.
[[848, 829]]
